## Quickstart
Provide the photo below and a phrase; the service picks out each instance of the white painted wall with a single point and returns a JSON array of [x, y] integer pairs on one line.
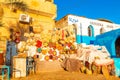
[[83, 23]]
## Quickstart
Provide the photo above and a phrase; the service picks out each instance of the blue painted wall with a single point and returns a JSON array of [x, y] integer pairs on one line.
[[108, 40], [85, 39]]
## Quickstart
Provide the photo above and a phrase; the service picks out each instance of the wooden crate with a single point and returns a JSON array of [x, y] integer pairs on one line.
[[19, 67], [48, 66]]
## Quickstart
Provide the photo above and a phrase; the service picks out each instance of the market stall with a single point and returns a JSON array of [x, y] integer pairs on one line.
[[45, 52]]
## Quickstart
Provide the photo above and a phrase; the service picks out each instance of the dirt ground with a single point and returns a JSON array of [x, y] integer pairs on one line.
[[64, 75]]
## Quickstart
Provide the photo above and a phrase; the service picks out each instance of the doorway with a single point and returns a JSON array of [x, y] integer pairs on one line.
[[117, 47]]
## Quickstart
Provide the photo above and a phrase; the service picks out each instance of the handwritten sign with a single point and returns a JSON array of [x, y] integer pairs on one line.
[[73, 20]]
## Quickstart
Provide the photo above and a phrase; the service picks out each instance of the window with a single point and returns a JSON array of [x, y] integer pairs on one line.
[[74, 29], [102, 30], [50, 0], [90, 31]]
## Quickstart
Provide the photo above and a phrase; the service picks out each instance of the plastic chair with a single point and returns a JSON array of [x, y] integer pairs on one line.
[[3, 71]]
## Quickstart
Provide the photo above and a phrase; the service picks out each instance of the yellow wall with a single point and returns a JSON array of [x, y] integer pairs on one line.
[[44, 6], [62, 22], [41, 20]]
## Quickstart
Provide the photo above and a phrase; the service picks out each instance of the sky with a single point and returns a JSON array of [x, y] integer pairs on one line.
[[93, 9]]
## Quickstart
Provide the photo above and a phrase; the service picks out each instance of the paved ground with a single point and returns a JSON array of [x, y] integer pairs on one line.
[[64, 75]]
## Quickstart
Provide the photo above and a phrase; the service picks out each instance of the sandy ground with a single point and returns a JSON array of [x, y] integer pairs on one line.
[[64, 75]]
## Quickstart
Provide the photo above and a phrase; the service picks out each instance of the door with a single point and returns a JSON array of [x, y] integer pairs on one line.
[[117, 47]]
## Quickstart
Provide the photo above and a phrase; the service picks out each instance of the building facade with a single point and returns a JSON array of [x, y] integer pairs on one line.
[[87, 29], [93, 32]]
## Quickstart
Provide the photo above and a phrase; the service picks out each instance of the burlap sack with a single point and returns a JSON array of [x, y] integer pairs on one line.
[[72, 65]]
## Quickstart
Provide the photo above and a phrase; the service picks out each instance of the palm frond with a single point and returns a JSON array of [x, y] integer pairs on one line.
[[18, 4]]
